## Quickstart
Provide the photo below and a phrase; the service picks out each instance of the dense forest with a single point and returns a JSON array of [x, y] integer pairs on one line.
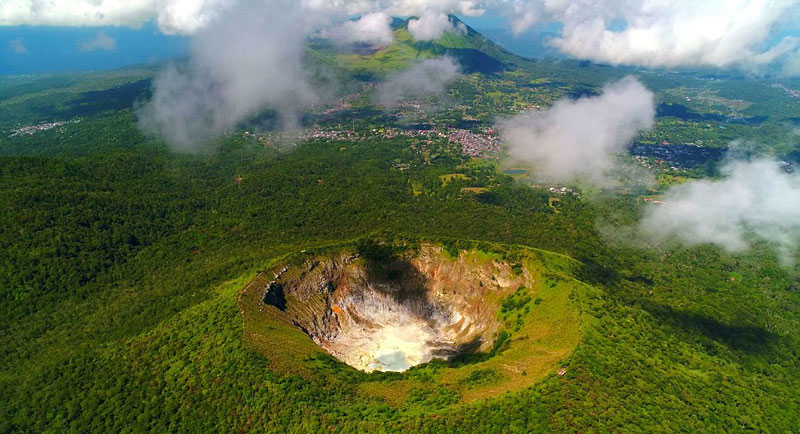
[[122, 261]]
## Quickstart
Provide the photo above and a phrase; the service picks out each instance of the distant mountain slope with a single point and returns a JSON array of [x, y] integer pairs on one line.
[[472, 50]]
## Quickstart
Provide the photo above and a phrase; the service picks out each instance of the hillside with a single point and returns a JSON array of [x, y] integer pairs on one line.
[[135, 280], [472, 50]]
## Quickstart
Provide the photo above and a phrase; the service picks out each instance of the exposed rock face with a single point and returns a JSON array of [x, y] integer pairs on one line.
[[395, 315]]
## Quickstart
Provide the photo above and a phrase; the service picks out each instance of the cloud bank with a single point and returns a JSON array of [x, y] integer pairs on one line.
[[188, 17], [677, 33], [251, 58], [432, 25], [522, 15], [101, 41], [579, 138], [246, 61], [757, 201], [374, 29], [428, 77], [172, 16]]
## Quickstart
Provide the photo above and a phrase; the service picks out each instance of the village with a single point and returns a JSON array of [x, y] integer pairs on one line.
[[29, 130], [780, 86], [481, 144]]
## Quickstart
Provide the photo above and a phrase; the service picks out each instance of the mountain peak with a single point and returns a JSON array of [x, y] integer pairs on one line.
[[474, 52]]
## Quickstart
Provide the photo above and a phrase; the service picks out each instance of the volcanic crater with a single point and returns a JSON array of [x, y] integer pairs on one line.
[[378, 311]]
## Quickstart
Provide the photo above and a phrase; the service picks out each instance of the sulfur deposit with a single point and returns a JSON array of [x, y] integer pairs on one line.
[[393, 314]]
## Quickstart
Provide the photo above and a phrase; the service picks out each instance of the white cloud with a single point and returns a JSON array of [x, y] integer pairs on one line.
[[522, 15], [17, 46], [374, 29], [720, 33], [469, 8], [791, 66], [101, 41], [579, 138], [756, 201], [189, 16], [173, 16], [431, 26], [249, 59], [246, 61], [400, 7], [428, 77]]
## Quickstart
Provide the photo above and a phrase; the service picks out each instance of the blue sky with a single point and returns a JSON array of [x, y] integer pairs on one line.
[[679, 34], [47, 49], [41, 49], [489, 20]]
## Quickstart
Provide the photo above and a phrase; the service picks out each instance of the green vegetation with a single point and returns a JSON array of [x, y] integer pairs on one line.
[[27, 99], [122, 263]]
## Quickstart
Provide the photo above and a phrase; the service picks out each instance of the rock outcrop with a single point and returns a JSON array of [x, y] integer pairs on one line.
[[395, 314]]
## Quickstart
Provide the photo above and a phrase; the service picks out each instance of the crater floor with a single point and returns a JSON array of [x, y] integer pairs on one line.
[[395, 313]]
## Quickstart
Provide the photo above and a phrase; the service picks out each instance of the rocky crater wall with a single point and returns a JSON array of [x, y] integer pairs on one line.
[[394, 313]]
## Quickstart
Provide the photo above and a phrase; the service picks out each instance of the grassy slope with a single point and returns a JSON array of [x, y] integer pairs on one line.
[[404, 51]]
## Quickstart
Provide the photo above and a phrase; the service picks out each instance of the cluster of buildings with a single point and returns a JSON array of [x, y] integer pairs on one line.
[[478, 145], [792, 92], [413, 106], [653, 201], [318, 133], [390, 133], [650, 163], [563, 191], [297, 136], [558, 190], [30, 130], [343, 103]]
